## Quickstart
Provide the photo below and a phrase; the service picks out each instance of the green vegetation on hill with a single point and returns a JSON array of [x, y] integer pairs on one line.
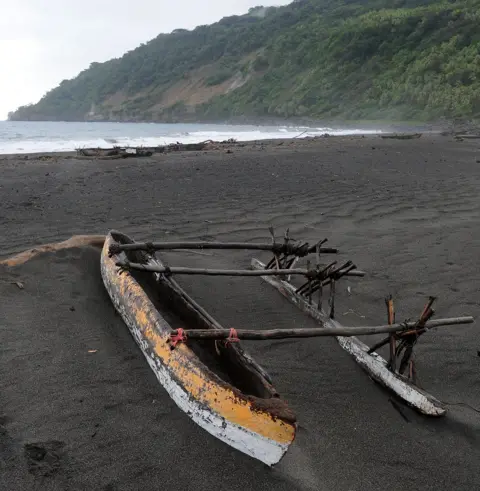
[[352, 59]]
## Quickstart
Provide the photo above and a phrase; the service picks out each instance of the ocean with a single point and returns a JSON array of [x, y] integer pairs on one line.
[[30, 137]]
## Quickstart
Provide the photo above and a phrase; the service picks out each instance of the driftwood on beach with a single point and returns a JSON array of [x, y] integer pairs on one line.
[[118, 152], [114, 153], [461, 137], [413, 136]]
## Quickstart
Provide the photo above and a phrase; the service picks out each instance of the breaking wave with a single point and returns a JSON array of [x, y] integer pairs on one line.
[[31, 137]]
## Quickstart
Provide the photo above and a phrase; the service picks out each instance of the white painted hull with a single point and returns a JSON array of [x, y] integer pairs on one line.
[[373, 363]]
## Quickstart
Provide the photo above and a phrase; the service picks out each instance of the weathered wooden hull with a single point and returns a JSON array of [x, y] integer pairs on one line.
[[244, 422], [373, 363]]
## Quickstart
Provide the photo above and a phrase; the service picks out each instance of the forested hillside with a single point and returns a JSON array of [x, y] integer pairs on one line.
[[350, 59]]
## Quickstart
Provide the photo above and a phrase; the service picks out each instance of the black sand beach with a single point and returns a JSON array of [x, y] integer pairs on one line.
[[80, 408]]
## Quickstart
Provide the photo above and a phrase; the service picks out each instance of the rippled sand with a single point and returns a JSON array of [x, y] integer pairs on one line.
[[407, 212]]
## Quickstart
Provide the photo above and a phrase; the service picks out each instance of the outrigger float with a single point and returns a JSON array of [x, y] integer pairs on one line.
[[202, 365]]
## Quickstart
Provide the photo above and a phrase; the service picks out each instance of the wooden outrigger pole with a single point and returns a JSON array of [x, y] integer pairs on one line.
[[282, 248], [309, 273]]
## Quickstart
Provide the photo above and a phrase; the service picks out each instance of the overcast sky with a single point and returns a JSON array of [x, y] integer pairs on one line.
[[43, 42]]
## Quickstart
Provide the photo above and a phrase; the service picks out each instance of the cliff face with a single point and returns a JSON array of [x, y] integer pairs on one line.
[[354, 59]]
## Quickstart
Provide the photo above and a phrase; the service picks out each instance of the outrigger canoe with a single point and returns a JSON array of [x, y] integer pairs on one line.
[[211, 378], [218, 385]]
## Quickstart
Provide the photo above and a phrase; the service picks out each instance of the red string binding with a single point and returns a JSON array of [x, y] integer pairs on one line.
[[180, 337], [232, 337]]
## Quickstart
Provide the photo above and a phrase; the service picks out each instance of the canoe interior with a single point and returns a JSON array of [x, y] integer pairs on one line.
[[225, 361]]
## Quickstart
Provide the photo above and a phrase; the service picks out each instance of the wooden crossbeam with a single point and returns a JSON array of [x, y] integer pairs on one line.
[[252, 334]]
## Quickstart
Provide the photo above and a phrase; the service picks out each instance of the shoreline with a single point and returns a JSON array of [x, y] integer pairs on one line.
[[219, 145]]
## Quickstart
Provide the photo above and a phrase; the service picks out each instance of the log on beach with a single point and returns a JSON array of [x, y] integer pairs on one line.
[[413, 136]]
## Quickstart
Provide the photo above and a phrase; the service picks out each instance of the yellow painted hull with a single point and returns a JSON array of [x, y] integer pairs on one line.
[[260, 427]]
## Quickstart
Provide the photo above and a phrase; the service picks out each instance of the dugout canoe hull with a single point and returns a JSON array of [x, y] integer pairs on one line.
[[375, 365], [261, 427]]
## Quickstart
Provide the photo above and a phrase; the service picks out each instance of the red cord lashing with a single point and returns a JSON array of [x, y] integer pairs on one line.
[[180, 337], [232, 337]]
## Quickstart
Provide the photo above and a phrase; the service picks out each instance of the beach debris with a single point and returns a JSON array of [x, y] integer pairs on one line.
[[395, 136], [114, 153], [117, 152], [467, 137], [92, 350]]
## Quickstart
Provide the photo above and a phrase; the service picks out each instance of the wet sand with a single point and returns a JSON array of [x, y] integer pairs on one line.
[[405, 211]]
